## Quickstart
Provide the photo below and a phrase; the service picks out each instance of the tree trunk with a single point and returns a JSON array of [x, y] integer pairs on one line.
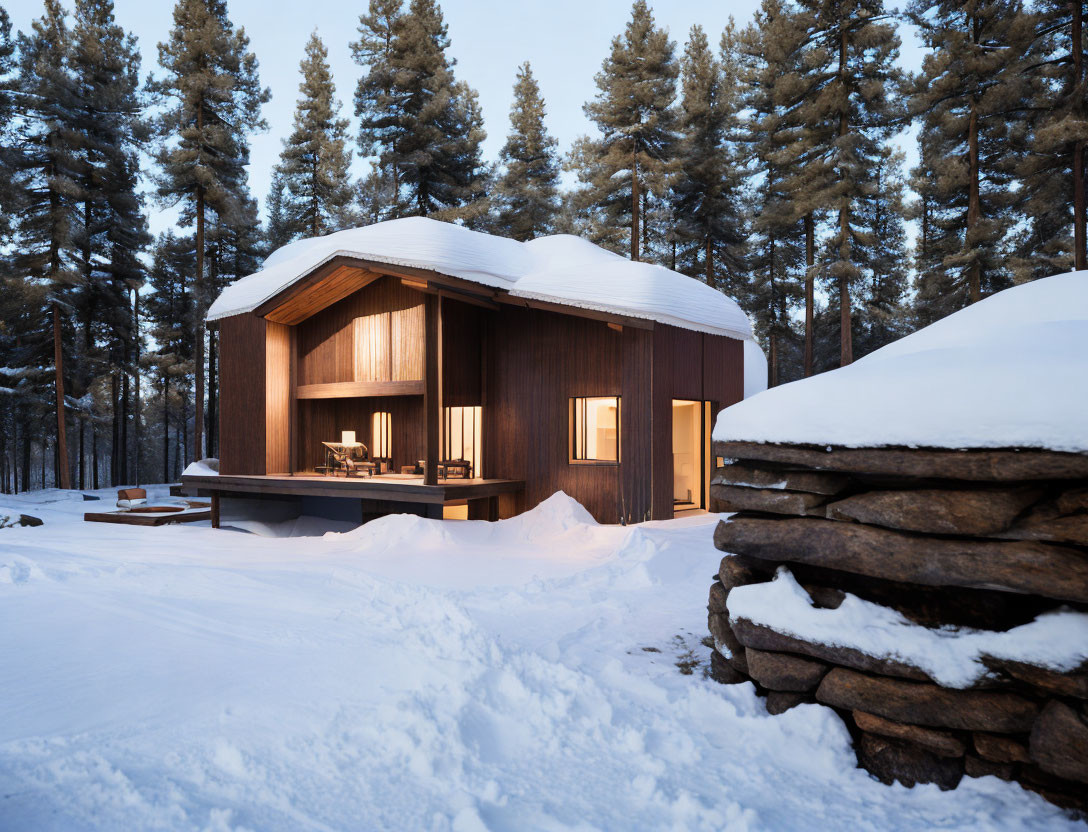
[[126, 415], [709, 261], [846, 340], [974, 204], [198, 383], [810, 277], [115, 447], [62, 440], [136, 380], [1080, 256], [94, 453], [165, 427], [634, 206]]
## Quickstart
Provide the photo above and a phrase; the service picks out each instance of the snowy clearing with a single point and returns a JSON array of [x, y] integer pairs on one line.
[[410, 674]]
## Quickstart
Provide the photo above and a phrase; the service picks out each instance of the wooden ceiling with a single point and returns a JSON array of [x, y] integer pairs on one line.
[[319, 290]]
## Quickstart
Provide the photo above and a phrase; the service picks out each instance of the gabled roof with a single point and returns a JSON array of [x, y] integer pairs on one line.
[[562, 269]]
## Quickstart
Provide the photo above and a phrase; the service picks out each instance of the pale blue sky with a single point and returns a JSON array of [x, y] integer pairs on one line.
[[565, 40]]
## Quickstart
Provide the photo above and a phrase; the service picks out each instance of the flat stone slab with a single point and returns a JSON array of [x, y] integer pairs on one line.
[[759, 637], [1059, 742], [981, 465], [941, 743], [739, 498], [1000, 749], [756, 476], [937, 511], [1021, 566], [780, 671], [723, 635], [919, 703], [890, 759], [1074, 683]]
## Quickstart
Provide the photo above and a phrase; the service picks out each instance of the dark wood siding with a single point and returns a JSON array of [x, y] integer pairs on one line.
[[688, 365], [462, 327], [536, 361], [242, 395], [326, 341]]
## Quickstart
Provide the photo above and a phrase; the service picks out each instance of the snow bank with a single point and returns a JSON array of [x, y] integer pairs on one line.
[[1008, 371], [202, 468], [950, 656], [561, 269], [190, 678]]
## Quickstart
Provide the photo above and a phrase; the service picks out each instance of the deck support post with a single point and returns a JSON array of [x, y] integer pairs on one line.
[[215, 509], [432, 387]]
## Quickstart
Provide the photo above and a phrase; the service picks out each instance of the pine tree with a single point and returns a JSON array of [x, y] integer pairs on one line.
[[374, 101], [845, 108], [634, 113], [314, 165], [216, 97], [708, 198], [279, 231], [777, 241], [970, 98], [10, 191], [527, 190], [111, 132], [767, 53], [170, 312], [1052, 172], [880, 315], [49, 165], [425, 126]]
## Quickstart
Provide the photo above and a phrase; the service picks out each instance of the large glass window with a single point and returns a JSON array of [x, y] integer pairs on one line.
[[595, 429], [462, 439], [382, 427]]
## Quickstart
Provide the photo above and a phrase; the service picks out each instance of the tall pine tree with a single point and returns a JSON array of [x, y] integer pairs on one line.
[[527, 190], [708, 198], [424, 125], [777, 243], [314, 165], [215, 100], [970, 97], [49, 164], [845, 106], [634, 113]]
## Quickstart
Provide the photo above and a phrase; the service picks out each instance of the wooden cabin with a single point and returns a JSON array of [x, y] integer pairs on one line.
[[481, 381]]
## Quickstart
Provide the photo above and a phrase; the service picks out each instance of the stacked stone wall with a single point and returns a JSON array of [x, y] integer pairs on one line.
[[978, 539]]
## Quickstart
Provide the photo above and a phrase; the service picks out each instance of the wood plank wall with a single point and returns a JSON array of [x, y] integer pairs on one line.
[[537, 362], [279, 358], [242, 395], [326, 352], [688, 365]]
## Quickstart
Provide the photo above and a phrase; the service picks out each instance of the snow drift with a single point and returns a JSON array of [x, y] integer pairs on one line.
[[1009, 371]]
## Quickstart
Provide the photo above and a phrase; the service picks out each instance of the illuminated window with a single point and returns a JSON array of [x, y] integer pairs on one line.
[[382, 447], [595, 429], [461, 436]]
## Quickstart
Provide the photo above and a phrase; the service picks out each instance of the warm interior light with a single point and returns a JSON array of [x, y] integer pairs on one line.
[[347, 437]]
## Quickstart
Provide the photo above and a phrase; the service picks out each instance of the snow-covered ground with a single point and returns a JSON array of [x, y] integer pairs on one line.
[[410, 674]]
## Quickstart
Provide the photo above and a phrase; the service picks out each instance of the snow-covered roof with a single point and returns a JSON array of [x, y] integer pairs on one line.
[[562, 269], [1009, 371]]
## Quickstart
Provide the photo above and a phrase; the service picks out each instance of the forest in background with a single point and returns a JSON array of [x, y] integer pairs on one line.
[[761, 160]]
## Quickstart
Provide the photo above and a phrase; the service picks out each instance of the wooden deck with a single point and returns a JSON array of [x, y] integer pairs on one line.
[[372, 491]]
